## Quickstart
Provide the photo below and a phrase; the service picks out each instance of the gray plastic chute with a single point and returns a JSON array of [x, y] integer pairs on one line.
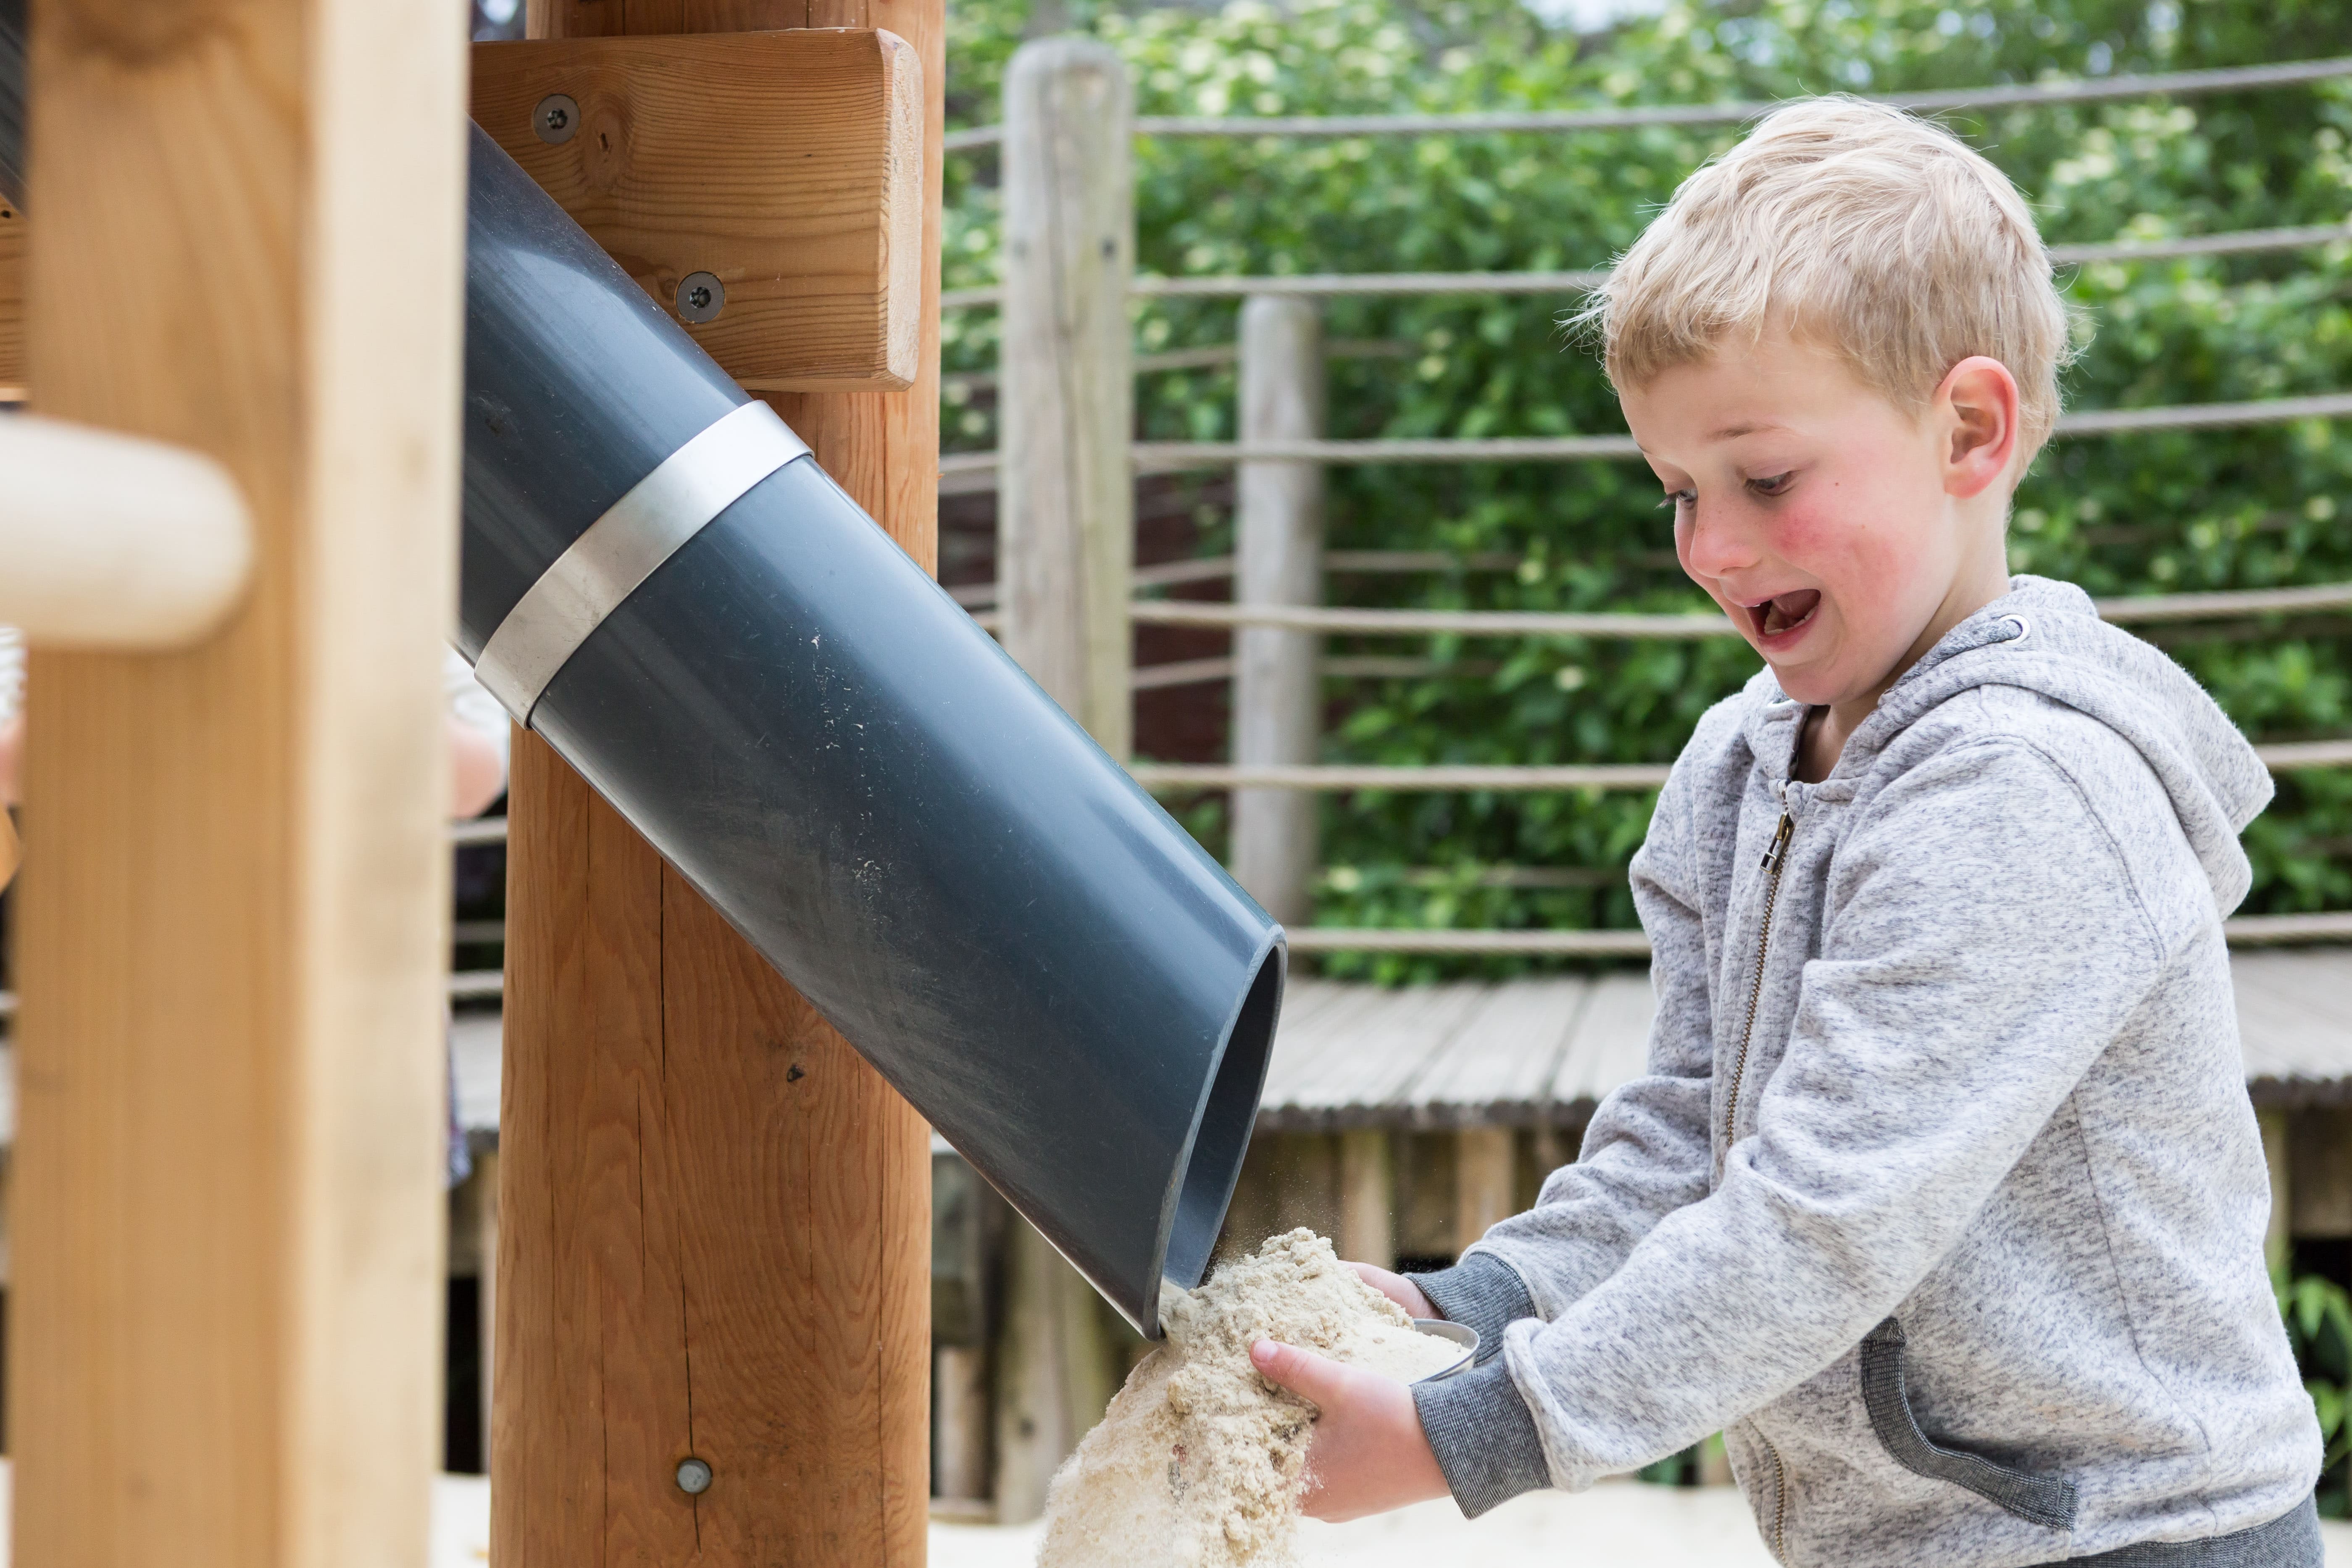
[[662, 582]]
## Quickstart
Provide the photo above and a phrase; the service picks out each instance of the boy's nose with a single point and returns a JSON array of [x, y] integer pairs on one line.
[[1715, 545]]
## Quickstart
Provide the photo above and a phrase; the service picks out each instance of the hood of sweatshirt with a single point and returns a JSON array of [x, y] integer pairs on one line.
[[2046, 637]]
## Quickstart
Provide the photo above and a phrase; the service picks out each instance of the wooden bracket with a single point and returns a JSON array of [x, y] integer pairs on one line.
[[788, 165]]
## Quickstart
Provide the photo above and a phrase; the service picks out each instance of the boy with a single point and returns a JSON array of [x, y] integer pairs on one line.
[[1941, 1196]]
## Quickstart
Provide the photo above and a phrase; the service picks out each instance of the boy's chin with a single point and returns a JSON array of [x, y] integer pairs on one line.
[[1805, 681]]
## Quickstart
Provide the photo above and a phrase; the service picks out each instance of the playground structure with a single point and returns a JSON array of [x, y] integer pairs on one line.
[[709, 1325]]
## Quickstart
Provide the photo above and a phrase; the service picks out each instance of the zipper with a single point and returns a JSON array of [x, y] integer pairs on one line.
[[1776, 859], [1779, 1501]]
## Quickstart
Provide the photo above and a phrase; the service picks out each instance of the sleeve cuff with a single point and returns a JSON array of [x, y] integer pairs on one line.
[[1480, 1292], [1484, 1440]]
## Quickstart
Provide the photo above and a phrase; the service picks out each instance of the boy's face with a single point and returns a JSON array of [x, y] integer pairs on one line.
[[1822, 518]]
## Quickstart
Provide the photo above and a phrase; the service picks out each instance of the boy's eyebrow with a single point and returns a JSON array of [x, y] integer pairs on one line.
[[1732, 432]]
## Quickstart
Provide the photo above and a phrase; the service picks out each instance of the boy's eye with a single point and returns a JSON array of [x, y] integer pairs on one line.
[[1774, 485], [1679, 501]]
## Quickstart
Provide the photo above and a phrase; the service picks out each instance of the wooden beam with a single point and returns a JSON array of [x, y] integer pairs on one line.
[[223, 1342], [787, 165], [714, 1215]]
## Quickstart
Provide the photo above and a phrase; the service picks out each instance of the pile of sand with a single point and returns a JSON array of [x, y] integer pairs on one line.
[[1200, 1461]]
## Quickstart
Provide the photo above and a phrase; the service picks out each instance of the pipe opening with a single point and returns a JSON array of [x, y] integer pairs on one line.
[[1225, 1125]]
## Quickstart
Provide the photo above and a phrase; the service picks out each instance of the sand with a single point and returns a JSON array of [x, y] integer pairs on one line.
[[1200, 1461]]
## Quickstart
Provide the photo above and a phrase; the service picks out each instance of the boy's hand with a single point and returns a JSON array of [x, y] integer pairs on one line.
[[1367, 1454], [1397, 1289]]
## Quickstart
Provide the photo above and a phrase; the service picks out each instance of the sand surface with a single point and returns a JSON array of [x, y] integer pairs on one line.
[[1200, 1461], [1618, 1524]]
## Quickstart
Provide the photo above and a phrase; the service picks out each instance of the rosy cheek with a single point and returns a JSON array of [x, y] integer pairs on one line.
[[1798, 533]]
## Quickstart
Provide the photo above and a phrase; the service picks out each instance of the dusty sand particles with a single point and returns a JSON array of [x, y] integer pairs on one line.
[[1199, 1462]]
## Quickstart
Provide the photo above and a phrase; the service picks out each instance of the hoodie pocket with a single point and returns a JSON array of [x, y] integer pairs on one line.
[[2045, 1500]]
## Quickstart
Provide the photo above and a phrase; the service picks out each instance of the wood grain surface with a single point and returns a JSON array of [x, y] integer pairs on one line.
[[1066, 522], [227, 1277], [714, 1215], [787, 165], [12, 299]]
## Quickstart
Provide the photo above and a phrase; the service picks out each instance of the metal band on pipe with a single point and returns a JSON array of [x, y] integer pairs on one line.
[[626, 545]]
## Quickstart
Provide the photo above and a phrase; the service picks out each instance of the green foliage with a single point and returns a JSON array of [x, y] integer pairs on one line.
[[2318, 1316], [2147, 513]]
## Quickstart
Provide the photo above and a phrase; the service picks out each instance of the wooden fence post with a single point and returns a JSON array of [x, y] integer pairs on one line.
[[1484, 1160], [228, 1204], [1066, 561], [714, 1215], [1277, 697], [1367, 1198], [2277, 1238], [1066, 507]]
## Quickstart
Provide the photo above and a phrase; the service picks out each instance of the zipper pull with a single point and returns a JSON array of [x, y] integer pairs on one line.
[[1779, 844]]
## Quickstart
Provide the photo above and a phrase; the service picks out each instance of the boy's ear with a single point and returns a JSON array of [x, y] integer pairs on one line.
[[1977, 406]]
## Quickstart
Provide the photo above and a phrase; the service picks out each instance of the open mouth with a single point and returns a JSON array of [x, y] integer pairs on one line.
[[1783, 611]]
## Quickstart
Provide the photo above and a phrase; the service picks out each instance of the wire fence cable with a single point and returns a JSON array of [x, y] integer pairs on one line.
[[2173, 84], [1339, 285]]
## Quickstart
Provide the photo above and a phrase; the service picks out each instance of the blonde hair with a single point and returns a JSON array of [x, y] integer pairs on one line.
[[1856, 228]]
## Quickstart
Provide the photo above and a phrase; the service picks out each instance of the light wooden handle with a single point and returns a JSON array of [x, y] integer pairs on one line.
[[110, 541], [9, 853]]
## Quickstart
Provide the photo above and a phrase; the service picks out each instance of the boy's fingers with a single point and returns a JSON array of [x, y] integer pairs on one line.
[[1302, 1371], [1397, 1289]]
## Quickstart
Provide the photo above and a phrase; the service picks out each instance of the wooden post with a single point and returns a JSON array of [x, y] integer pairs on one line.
[[1066, 558], [1053, 1376], [959, 1423], [227, 1283], [715, 1222], [1367, 1198], [1484, 1159], [2319, 1181], [1280, 551], [2277, 1241], [1066, 507], [967, 1230], [483, 1202]]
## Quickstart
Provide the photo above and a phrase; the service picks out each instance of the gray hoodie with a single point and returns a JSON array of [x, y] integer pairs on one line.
[[1941, 1196]]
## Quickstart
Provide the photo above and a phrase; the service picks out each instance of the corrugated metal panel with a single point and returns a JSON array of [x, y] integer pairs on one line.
[[2294, 1023], [1529, 1052], [1525, 1052]]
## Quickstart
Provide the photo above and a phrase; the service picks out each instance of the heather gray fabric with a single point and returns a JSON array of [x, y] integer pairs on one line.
[[2290, 1541], [1480, 1292], [1483, 1438], [1991, 1089]]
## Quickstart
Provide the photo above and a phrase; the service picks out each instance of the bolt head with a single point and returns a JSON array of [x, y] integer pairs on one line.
[[557, 118], [700, 297], [693, 1477]]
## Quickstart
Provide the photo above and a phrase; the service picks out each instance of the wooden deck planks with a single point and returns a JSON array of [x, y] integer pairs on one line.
[[1500, 1064]]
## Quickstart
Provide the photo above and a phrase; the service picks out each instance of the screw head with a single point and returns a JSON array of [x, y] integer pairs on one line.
[[557, 118], [700, 297], [693, 1477]]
